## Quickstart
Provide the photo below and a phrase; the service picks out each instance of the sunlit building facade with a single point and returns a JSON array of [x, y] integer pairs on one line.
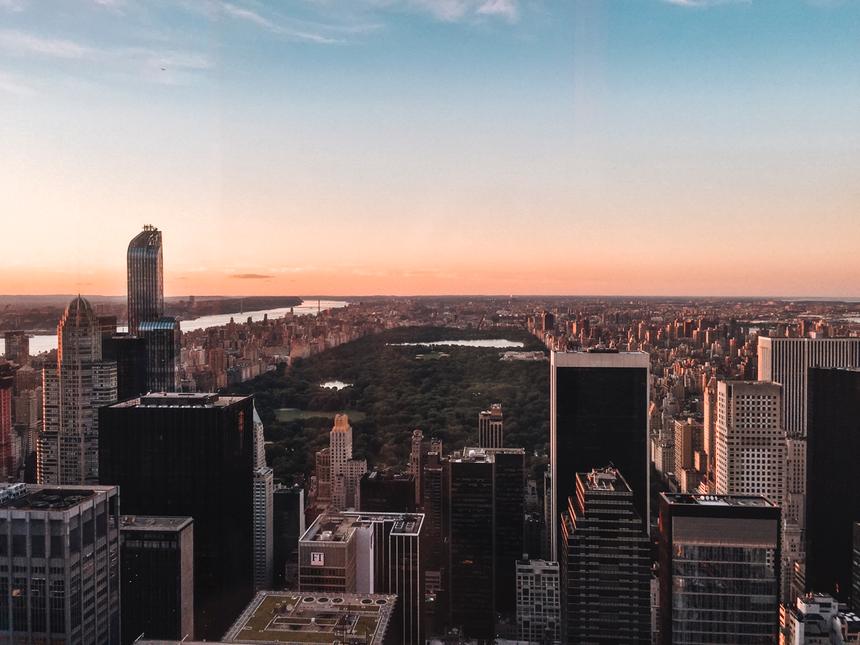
[[145, 278]]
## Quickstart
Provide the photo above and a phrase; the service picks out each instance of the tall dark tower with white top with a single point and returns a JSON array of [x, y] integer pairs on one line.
[[145, 278]]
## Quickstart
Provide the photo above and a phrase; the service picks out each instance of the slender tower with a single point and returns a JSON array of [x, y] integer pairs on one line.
[[145, 278]]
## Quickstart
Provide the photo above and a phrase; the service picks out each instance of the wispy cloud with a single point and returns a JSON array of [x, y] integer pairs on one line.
[[287, 31], [457, 10], [22, 43], [507, 9], [12, 5], [251, 276]]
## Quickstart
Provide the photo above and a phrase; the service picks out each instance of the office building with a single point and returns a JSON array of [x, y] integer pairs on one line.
[[538, 602], [288, 525], [59, 564], [750, 440], [605, 563], [787, 360], [264, 485], [702, 599], [163, 338], [9, 457], [192, 455], [298, 618], [327, 554], [435, 551], [81, 382], [470, 537], [855, 571], [416, 464], [818, 619], [157, 569], [17, 347], [131, 358], [598, 415], [345, 472], [321, 493], [491, 427], [387, 491], [832, 490], [145, 278]]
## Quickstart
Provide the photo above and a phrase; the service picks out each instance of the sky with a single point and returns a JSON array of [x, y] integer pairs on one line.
[[355, 147]]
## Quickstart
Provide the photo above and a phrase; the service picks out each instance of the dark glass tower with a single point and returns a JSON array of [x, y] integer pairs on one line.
[[719, 569], [832, 490], [129, 352], [288, 525], [598, 417], [191, 455], [157, 570], [385, 491], [145, 278], [605, 563], [162, 338]]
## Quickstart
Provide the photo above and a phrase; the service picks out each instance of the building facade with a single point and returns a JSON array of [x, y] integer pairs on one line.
[[157, 568], [719, 569], [787, 360], [264, 485], [538, 602], [163, 338], [491, 427], [81, 382], [59, 564], [605, 563], [598, 415], [145, 278]]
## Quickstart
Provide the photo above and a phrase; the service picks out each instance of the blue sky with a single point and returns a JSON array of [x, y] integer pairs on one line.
[[610, 146]]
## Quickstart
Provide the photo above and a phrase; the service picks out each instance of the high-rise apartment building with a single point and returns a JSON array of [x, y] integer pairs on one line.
[[491, 427], [750, 440], [832, 490], [192, 455], [416, 464], [81, 382], [598, 415], [719, 569], [145, 278], [8, 455], [17, 347], [346, 472], [605, 563], [264, 485], [157, 568], [59, 564], [163, 337], [538, 602], [787, 361]]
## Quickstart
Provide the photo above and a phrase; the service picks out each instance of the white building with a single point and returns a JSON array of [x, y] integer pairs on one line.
[[750, 440], [264, 486], [538, 601], [787, 360], [817, 619], [68, 446]]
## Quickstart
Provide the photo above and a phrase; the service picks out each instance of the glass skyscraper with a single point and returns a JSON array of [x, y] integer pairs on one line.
[[145, 278]]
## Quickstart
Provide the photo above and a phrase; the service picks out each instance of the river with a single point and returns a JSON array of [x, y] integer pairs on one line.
[[46, 342]]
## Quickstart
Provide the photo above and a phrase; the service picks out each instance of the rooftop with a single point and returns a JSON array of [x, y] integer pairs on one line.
[[604, 479], [330, 527], [153, 523], [296, 617], [30, 497], [717, 500], [473, 454], [180, 400], [404, 523]]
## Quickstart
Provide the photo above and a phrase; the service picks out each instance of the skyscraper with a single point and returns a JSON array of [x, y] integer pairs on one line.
[[60, 564], [855, 571], [786, 361], [192, 455], [17, 347], [67, 447], [129, 353], [386, 491], [750, 440], [491, 425], [346, 472], [598, 415], [538, 602], [263, 516], [416, 464], [719, 569], [145, 278], [162, 336], [832, 492], [157, 567], [8, 456], [288, 524], [605, 563]]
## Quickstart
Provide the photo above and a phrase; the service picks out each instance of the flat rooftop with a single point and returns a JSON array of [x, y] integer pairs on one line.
[[153, 523], [286, 617], [180, 400], [31, 497], [717, 500], [404, 523], [330, 527], [473, 454]]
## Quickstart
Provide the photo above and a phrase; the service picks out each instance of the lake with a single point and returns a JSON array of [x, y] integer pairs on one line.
[[335, 385], [46, 342], [492, 343]]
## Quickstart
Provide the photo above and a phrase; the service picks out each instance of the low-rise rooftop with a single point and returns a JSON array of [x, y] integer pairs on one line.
[[153, 523], [32, 497], [179, 400], [717, 500]]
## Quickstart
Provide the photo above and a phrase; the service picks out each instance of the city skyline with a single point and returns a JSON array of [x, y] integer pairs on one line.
[[416, 147]]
